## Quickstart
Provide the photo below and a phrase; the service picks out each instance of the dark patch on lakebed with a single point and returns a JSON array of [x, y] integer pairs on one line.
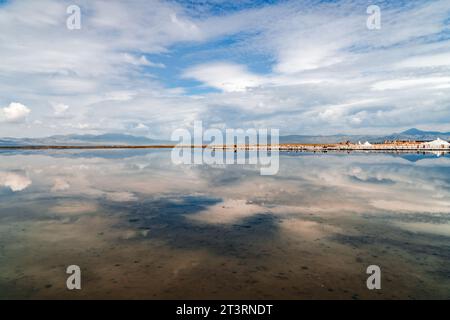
[[167, 219]]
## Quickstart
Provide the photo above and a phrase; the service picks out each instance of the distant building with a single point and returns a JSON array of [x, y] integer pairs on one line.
[[366, 144], [436, 144]]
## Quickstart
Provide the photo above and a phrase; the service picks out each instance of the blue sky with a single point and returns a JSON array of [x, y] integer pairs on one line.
[[151, 67]]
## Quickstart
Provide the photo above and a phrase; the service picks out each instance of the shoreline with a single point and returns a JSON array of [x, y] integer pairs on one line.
[[281, 147]]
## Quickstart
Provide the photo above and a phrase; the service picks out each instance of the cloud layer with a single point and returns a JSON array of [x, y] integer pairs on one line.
[[149, 67]]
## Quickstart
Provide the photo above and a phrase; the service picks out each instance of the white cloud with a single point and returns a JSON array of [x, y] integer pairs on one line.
[[141, 61], [224, 76], [434, 60], [300, 59], [119, 95], [15, 112], [60, 108], [409, 83], [141, 127]]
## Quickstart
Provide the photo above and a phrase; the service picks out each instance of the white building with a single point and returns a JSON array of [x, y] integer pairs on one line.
[[436, 144], [365, 145]]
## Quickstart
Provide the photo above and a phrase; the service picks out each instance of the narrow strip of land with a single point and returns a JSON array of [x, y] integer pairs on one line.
[[87, 147], [390, 146]]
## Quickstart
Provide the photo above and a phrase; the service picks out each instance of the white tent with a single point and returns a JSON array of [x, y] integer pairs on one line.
[[436, 144], [367, 144]]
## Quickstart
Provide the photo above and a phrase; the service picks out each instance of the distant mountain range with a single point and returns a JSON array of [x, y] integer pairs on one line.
[[126, 139], [411, 134], [85, 139]]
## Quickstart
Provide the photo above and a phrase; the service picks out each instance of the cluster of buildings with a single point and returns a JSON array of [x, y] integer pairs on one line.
[[435, 145]]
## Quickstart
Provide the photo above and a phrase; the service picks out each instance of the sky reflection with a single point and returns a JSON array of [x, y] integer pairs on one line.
[[316, 203]]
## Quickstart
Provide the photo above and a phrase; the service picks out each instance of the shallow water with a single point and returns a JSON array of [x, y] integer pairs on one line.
[[142, 227]]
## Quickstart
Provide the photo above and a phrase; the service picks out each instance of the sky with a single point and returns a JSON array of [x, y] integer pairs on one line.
[[148, 68]]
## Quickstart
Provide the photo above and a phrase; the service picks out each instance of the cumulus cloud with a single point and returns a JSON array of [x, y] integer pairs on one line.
[[15, 112]]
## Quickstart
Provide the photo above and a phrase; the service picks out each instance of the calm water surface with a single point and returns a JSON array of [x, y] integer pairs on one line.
[[141, 227]]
